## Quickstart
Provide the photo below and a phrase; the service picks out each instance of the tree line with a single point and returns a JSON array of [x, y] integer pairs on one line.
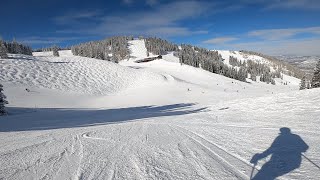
[[14, 48], [3, 102], [284, 67], [213, 62], [111, 49], [51, 48], [159, 46], [315, 81], [210, 61], [257, 69]]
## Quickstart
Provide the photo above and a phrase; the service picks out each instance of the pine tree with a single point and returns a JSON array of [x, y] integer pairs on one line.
[[3, 50], [308, 85], [3, 102], [316, 76], [303, 84]]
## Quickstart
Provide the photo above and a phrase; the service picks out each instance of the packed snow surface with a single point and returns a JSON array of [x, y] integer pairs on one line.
[[69, 73], [84, 118]]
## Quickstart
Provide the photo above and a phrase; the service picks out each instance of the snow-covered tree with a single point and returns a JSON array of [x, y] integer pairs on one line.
[[253, 77], [316, 76], [3, 50], [278, 65], [16, 48], [3, 102], [308, 85], [55, 51], [303, 83], [111, 49], [159, 46]]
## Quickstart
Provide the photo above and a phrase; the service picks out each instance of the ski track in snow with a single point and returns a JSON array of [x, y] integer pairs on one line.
[[155, 120]]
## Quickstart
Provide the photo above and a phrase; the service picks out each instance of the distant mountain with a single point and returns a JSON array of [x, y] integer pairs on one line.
[[305, 63]]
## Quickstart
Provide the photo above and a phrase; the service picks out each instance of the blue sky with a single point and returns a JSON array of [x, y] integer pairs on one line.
[[268, 26]]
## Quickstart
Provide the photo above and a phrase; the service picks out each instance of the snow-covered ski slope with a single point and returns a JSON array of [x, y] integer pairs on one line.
[[72, 73], [90, 119]]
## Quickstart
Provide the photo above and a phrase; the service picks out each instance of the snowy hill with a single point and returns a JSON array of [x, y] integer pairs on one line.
[[72, 73], [241, 56], [84, 118], [139, 51]]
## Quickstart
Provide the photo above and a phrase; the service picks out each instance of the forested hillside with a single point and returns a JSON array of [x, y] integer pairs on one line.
[[283, 66], [159, 46], [235, 68], [111, 49], [116, 49]]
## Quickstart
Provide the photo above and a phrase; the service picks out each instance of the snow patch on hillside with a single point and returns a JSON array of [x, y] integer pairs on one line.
[[241, 56], [171, 58], [137, 49]]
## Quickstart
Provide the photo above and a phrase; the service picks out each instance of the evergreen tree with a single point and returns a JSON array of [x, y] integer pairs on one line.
[[316, 76], [308, 85], [16, 48], [159, 46], [112, 49], [303, 84], [253, 77], [55, 51], [3, 50], [3, 102]]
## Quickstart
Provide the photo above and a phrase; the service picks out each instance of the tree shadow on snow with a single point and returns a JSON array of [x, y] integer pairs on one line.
[[286, 155], [25, 119]]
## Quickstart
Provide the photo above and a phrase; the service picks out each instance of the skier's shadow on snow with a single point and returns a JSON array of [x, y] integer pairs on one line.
[[286, 155]]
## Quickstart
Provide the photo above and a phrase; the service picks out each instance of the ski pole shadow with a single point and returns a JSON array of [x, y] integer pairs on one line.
[[286, 155]]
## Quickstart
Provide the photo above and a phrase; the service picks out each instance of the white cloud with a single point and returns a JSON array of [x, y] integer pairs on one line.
[[281, 47], [285, 4], [295, 4], [273, 41], [151, 2], [220, 40], [127, 2], [276, 34], [76, 16], [161, 20], [164, 18], [35, 40]]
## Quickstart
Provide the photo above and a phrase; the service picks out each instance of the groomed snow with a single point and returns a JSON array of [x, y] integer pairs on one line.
[[155, 120], [70, 73]]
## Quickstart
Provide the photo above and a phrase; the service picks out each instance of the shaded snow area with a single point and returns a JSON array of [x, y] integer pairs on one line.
[[82, 118]]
